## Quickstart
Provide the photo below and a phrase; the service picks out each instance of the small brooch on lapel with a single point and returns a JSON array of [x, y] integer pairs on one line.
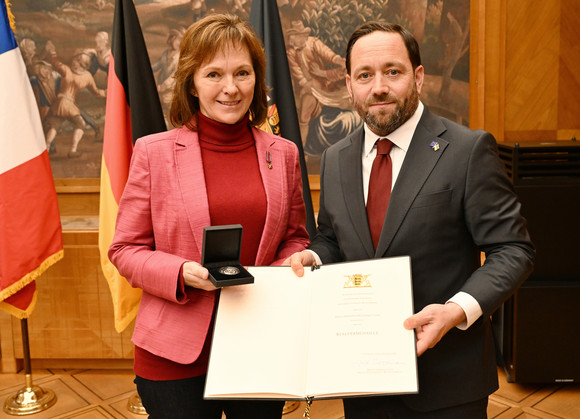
[[434, 145], [269, 159]]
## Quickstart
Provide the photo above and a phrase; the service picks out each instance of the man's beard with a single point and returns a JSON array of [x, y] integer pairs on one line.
[[403, 111]]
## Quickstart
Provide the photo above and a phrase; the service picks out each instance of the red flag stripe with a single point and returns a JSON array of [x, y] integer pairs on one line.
[[31, 237], [118, 148], [20, 304]]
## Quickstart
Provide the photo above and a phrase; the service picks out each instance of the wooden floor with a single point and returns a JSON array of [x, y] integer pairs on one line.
[[89, 394]]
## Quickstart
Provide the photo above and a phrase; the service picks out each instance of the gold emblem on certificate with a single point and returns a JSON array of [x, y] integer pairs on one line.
[[357, 281], [229, 270]]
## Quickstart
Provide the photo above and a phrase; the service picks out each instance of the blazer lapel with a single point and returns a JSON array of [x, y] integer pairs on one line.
[[191, 179], [420, 160], [272, 164], [350, 162]]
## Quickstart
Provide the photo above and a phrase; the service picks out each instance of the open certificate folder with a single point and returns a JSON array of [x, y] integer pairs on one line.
[[336, 332]]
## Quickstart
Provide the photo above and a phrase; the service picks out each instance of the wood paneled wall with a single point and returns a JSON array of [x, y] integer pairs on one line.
[[524, 63], [72, 324], [525, 85]]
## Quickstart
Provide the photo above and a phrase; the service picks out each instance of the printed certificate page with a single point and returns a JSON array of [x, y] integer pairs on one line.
[[336, 332], [357, 342]]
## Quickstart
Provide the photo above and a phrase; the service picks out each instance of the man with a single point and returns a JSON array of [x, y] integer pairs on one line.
[[100, 55], [45, 84], [314, 67], [73, 80], [165, 67], [450, 200]]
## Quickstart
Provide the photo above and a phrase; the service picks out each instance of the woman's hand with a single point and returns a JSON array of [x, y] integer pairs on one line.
[[196, 276]]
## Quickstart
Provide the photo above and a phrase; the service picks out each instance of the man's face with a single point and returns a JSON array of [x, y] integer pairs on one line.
[[28, 47], [298, 40], [80, 63], [101, 40], [44, 72], [382, 85]]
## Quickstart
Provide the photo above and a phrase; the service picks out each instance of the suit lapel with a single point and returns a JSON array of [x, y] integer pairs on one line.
[[419, 162], [350, 162], [191, 179]]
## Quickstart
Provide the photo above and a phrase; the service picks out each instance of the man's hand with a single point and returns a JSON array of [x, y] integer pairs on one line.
[[299, 260], [196, 276], [433, 322]]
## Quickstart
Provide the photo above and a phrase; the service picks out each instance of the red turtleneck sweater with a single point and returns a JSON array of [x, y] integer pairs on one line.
[[236, 196]]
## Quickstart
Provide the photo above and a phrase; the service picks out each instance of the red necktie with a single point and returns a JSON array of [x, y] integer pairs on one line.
[[379, 188]]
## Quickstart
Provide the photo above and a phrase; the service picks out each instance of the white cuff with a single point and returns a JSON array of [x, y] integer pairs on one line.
[[316, 257], [469, 305]]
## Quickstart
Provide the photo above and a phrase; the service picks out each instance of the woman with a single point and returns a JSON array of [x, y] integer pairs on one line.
[[216, 168]]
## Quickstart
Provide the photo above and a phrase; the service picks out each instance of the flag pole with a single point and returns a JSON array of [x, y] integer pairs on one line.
[[30, 399]]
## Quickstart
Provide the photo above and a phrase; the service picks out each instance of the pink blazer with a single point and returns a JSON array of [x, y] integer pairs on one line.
[[160, 226]]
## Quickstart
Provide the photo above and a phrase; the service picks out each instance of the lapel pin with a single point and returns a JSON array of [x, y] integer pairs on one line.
[[434, 145], [269, 159]]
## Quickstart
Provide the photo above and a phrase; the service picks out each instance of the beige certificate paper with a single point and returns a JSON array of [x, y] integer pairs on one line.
[[336, 332]]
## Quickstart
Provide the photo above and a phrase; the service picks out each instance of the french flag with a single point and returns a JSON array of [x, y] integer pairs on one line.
[[30, 228]]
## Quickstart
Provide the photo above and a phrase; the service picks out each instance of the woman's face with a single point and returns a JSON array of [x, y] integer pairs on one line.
[[225, 84]]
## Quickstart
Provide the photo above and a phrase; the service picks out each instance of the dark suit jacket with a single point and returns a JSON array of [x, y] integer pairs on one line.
[[446, 206]]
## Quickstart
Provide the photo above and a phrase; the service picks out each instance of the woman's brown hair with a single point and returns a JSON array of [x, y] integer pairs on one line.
[[201, 42]]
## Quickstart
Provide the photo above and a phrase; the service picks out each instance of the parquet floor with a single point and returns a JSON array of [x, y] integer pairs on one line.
[[104, 394]]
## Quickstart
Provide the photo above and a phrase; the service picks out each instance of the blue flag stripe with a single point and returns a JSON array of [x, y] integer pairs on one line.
[[7, 40]]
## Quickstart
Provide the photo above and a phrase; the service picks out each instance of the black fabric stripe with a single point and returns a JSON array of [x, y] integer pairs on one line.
[[133, 69]]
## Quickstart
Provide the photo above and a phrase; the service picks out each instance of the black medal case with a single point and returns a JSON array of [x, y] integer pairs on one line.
[[220, 254]]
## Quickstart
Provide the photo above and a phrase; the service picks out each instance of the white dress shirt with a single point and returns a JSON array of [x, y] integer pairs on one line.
[[401, 139]]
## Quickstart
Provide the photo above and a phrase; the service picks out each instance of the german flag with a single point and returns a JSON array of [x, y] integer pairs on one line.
[[133, 110], [282, 115]]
